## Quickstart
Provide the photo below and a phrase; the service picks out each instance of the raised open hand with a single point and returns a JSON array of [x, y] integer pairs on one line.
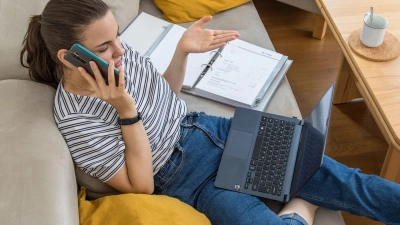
[[196, 39]]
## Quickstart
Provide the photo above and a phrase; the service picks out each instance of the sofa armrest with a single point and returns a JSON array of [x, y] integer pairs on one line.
[[37, 175]]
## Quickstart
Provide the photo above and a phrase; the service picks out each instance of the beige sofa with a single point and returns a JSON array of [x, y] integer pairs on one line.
[[38, 182]]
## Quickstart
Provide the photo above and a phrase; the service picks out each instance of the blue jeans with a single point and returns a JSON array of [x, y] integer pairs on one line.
[[190, 173]]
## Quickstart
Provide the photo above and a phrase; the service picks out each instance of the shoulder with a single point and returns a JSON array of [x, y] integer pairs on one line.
[[70, 108]]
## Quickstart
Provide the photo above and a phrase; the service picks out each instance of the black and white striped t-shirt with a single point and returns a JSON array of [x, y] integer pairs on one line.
[[89, 125]]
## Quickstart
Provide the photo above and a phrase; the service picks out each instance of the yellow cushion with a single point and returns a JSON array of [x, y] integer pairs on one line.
[[181, 11], [138, 209]]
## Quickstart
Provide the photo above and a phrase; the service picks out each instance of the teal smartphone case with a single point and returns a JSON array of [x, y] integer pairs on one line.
[[80, 56]]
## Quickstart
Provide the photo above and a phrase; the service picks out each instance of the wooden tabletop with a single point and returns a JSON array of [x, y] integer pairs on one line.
[[380, 81]]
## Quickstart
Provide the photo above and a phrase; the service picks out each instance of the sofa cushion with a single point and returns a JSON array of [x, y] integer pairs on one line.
[[14, 20], [181, 11], [138, 209], [37, 177]]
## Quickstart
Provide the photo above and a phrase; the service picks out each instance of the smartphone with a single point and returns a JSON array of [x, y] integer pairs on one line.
[[81, 56]]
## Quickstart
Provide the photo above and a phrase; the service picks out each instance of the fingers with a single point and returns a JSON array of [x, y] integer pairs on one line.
[[121, 82], [226, 32], [99, 78], [202, 21], [224, 37], [111, 76], [221, 40], [89, 78]]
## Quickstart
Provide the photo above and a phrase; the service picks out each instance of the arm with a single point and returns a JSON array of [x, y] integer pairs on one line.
[[136, 176], [194, 40]]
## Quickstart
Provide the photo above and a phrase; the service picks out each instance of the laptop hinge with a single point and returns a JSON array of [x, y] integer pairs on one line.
[[301, 122]]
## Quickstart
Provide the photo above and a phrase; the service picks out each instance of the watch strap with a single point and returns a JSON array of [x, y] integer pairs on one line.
[[130, 121]]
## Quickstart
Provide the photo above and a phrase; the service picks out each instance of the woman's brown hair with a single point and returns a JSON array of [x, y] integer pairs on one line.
[[61, 24]]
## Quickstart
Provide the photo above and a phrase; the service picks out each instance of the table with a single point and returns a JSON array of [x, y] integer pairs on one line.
[[377, 82]]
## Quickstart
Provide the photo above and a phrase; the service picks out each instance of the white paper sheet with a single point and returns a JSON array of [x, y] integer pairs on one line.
[[241, 72]]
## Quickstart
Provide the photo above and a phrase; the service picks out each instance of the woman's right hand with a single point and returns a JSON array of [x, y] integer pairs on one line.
[[115, 96]]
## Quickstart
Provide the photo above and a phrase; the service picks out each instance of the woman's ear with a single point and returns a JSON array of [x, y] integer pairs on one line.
[[61, 56]]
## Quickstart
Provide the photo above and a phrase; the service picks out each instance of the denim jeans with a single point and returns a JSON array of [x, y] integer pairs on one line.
[[190, 173]]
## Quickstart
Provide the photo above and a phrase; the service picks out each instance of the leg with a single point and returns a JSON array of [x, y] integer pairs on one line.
[[319, 27], [391, 166], [303, 208], [338, 187], [346, 89], [230, 208]]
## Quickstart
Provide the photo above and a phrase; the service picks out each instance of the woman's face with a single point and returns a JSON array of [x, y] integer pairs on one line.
[[102, 38]]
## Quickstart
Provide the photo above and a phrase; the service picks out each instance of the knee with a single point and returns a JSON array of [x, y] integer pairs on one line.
[[293, 219]]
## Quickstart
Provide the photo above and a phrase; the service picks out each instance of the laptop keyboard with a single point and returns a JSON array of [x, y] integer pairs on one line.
[[269, 160]]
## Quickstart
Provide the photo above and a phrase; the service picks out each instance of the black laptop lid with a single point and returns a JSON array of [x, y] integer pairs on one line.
[[312, 142]]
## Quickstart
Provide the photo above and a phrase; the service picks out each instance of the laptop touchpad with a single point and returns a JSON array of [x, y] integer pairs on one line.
[[239, 143]]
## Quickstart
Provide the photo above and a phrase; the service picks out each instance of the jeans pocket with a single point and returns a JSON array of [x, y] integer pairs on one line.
[[167, 172]]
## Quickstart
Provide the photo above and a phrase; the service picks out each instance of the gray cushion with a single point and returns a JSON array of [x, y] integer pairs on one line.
[[37, 178]]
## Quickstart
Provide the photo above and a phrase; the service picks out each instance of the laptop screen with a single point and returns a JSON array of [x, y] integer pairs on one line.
[[313, 141]]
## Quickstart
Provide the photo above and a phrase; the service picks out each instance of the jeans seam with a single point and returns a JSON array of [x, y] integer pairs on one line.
[[335, 203], [176, 171], [215, 139]]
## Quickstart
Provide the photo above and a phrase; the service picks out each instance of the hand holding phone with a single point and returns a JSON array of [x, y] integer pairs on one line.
[[80, 56]]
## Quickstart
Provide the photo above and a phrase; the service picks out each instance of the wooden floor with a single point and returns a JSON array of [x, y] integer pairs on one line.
[[354, 138]]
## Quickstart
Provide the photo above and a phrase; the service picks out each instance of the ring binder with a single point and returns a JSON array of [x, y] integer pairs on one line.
[[219, 53], [208, 64]]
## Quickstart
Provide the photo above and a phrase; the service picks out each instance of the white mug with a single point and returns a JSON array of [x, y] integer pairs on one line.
[[373, 32]]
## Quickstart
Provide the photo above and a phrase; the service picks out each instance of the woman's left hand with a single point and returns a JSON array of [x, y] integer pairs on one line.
[[196, 39]]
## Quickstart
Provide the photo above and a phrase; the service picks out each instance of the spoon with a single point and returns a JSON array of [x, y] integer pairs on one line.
[[371, 10]]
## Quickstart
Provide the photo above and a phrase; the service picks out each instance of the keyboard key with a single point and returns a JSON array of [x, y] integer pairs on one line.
[[255, 184], [274, 189], [257, 146], [265, 189]]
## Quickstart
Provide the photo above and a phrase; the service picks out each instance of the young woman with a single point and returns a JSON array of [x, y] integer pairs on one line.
[[163, 149]]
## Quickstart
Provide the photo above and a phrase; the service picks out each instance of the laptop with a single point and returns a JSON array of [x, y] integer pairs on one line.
[[273, 156]]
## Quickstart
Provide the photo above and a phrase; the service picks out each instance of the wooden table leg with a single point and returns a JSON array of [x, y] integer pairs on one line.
[[345, 87], [391, 166], [319, 27]]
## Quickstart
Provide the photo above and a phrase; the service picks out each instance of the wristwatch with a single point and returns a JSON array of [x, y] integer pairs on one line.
[[130, 121]]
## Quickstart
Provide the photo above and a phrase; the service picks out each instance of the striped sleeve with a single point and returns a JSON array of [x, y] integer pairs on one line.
[[96, 147]]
